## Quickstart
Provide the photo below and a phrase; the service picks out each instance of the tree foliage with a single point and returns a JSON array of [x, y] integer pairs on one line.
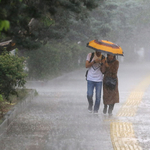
[[131, 27], [54, 59], [61, 24], [111, 20], [35, 22]]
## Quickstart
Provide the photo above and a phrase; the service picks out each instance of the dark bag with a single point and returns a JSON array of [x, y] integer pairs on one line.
[[92, 55], [110, 82]]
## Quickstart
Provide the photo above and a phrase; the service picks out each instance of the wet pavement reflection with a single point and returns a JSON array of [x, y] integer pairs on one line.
[[57, 119]]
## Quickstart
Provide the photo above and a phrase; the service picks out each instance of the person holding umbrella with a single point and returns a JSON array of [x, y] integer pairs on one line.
[[94, 80], [109, 68], [110, 83]]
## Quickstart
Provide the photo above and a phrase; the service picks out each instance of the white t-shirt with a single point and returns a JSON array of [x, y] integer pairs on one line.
[[94, 73]]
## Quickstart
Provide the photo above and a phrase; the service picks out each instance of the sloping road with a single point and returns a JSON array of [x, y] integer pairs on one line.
[[58, 119]]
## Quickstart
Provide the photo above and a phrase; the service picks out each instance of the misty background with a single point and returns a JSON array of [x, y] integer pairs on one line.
[[47, 40], [52, 35]]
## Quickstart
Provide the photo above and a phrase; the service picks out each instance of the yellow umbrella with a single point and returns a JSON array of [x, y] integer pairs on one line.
[[105, 46]]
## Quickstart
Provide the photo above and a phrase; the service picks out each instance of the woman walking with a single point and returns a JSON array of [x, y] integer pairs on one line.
[[109, 68]]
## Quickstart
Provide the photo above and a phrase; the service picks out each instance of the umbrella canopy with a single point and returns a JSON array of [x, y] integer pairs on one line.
[[105, 46]]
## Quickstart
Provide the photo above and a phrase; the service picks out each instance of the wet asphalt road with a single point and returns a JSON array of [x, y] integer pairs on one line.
[[58, 119]]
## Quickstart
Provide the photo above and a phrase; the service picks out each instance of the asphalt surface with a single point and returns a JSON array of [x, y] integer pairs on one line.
[[57, 118]]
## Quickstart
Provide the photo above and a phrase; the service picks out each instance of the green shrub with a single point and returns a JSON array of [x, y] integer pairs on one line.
[[11, 74], [1, 105], [1, 98]]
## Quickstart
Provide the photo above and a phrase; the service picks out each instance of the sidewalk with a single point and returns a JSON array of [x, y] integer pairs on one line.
[[58, 118]]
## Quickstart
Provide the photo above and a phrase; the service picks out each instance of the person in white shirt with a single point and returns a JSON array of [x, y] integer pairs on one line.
[[94, 80]]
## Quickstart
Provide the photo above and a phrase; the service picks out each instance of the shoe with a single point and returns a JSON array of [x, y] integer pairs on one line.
[[105, 109], [110, 115], [90, 109], [95, 112], [109, 111]]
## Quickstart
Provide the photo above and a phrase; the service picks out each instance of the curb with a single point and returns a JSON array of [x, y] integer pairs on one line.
[[11, 115]]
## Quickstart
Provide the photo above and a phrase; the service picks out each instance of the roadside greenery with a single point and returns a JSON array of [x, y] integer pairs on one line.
[[12, 75], [54, 59], [6, 106], [1, 105], [12, 80], [53, 34]]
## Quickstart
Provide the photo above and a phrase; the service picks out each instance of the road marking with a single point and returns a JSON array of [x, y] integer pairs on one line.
[[123, 138], [134, 99], [122, 133]]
